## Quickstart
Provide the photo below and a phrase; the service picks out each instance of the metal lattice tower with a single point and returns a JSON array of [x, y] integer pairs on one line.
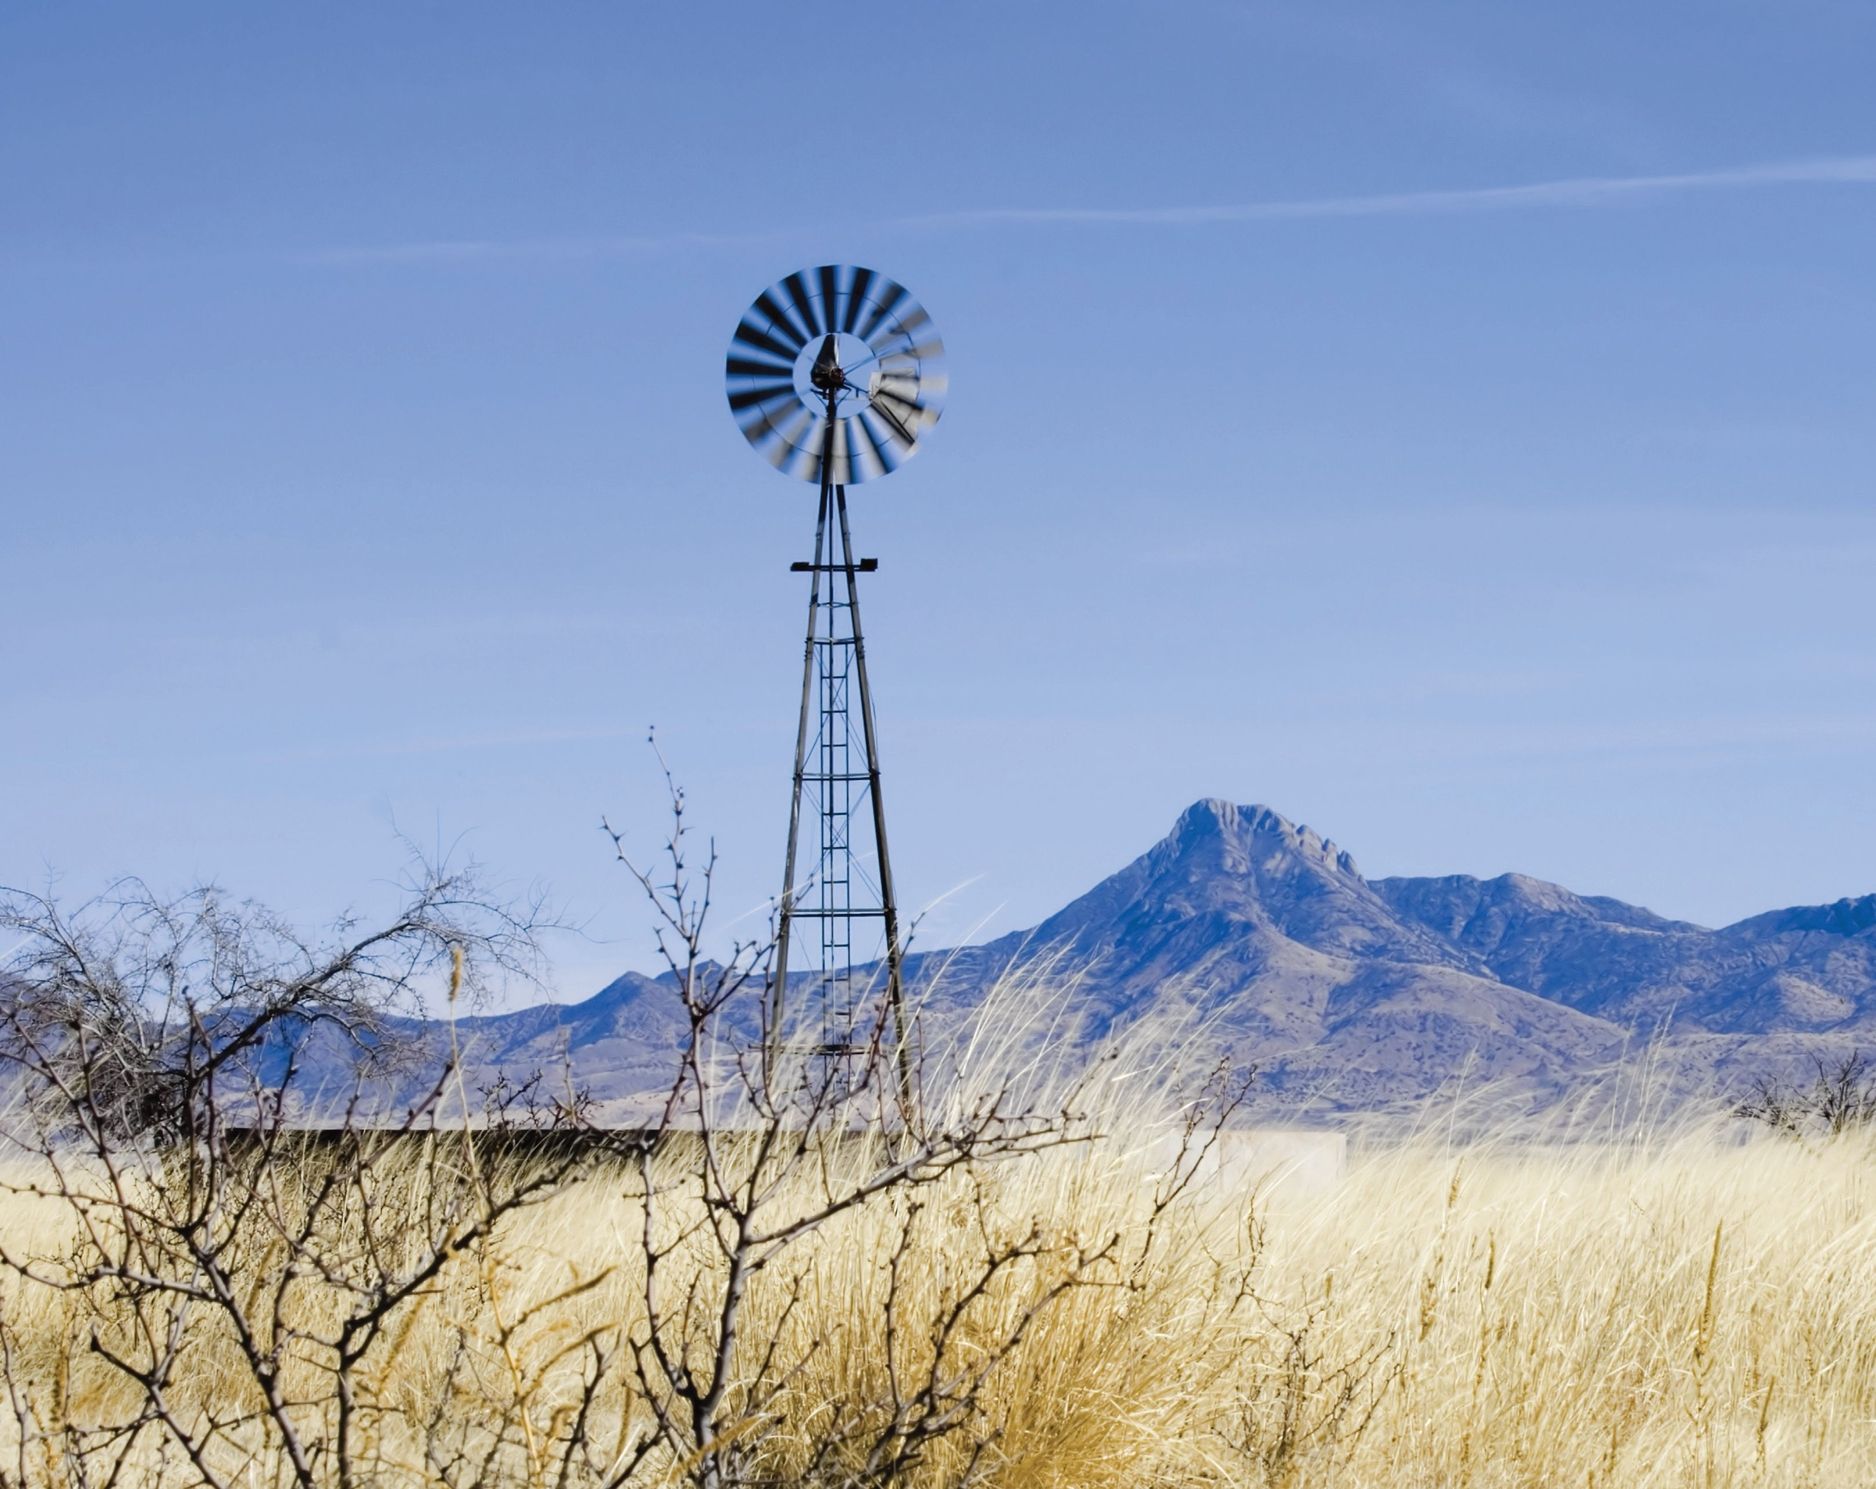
[[845, 886], [834, 375]]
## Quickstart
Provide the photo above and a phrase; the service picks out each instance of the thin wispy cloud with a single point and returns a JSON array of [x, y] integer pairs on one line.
[[1575, 191], [1567, 193]]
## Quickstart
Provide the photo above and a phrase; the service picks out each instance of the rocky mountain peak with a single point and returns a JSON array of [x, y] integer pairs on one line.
[[1241, 838], [1231, 878]]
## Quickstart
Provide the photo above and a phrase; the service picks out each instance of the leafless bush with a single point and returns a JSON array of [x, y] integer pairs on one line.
[[139, 1015], [1841, 1099], [152, 1048]]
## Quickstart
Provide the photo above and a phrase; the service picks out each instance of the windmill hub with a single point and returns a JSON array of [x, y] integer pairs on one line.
[[825, 374]]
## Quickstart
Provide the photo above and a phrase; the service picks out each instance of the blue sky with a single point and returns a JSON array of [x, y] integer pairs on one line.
[[1453, 426]]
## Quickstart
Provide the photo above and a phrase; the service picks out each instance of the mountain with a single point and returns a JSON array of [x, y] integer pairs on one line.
[[1349, 993], [1298, 962], [1809, 969]]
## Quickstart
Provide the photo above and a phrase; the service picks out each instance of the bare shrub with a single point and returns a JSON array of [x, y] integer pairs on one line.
[[1841, 1099], [137, 1015], [153, 1048]]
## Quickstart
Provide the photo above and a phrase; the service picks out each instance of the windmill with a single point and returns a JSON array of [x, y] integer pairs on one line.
[[834, 375]]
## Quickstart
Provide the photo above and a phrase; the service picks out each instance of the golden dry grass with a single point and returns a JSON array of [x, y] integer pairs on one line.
[[1671, 1311]]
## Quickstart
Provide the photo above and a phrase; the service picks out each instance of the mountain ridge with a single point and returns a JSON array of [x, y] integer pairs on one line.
[[1349, 993]]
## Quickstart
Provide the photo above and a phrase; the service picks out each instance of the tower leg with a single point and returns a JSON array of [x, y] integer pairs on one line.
[[778, 981], [895, 987]]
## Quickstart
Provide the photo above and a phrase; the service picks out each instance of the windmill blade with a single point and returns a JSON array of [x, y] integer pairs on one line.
[[919, 351], [909, 411], [931, 389], [863, 458], [798, 441], [760, 397], [890, 297], [766, 440], [792, 336], [796, 288], [887, 446], [761, 430], [753, 367], [912, 322], [839, 454], [856, 299], [752, 337], [765, 425], [901, 435], [813, 449], [901, 385], [889, 456], [827, 278]]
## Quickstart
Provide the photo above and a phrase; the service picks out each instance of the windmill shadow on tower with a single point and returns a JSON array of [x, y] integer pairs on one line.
[[834, 375]]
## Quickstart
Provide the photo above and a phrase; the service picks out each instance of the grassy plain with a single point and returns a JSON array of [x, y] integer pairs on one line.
[[1658, 1309]]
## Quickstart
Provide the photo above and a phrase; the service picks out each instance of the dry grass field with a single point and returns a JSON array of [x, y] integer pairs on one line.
[[1653, 1309]]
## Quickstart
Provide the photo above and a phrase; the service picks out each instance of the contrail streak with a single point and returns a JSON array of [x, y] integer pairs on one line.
[[1576, 191], [1569, 192]]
